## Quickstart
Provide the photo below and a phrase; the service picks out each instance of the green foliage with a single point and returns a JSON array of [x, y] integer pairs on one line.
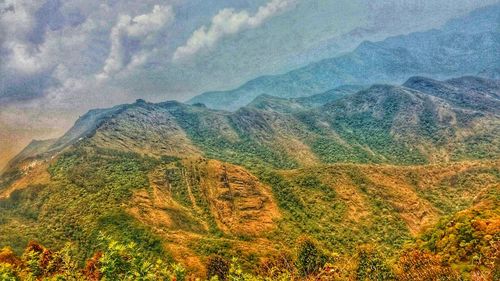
[[372, 267], [128, 262], [116, 262], [88, 190], [114, 223], [388, 229], [95, 170], [175, 176], [185, 181], [283, 191], [478, 146], [32, 260], [211, 139], [366, 130], [309, 257], [7, 272], [312, 182], [457, 192], [468, 239], [331, 151], [311, 207]]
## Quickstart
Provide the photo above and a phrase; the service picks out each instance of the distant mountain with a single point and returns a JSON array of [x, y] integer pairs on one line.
[[464, 46]]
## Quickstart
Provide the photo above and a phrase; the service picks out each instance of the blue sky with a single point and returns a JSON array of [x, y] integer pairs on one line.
[[59, 58]]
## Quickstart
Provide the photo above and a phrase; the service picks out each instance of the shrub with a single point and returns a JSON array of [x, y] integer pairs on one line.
[[418, 265], [7, 256], [91, 270], [7, 272], [371, 266], [309, 257], [217, 267], [128, 262], [277, 266]]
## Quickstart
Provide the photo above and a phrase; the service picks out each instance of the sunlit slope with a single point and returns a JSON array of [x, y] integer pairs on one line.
[[191, 208]]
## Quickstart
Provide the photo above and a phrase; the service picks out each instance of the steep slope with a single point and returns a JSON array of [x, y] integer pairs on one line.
[[383, 123], [86, 126], [468, 92], [401, 124], [465, 46], [146, 129], [31, 151]]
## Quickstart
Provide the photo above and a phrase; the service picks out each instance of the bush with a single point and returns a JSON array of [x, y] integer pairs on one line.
[[418, 265], [7, 272], [310, 258], [371, 267], [277, 266], [116, 262], [128, 262], [217, 267]]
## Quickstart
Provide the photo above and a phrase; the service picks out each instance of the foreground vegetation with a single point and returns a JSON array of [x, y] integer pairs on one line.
[[463, 247], [335, 222], [115, 261]]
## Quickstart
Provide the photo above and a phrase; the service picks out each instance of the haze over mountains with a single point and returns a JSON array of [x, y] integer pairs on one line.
[[464, 46]]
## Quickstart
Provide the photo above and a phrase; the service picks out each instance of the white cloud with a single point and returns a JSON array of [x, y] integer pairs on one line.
[[139, 28], [22, 59], [228, 22]]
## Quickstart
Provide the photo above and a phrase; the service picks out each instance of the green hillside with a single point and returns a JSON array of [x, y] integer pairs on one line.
[[362, 185]]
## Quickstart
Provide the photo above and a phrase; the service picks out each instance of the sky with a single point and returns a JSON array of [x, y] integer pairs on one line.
[[60, 58]]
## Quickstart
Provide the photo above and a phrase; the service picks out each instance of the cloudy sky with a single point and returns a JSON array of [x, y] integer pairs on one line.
[[59, 58]]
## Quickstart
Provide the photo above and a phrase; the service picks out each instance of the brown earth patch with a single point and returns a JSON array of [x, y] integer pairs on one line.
[[34, 173]]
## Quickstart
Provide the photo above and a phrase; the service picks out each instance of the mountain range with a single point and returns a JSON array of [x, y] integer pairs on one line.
[[378, 165], [464, 46], [421, 121]]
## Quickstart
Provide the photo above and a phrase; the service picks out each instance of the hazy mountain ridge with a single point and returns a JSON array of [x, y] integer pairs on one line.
[[454, 50]]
